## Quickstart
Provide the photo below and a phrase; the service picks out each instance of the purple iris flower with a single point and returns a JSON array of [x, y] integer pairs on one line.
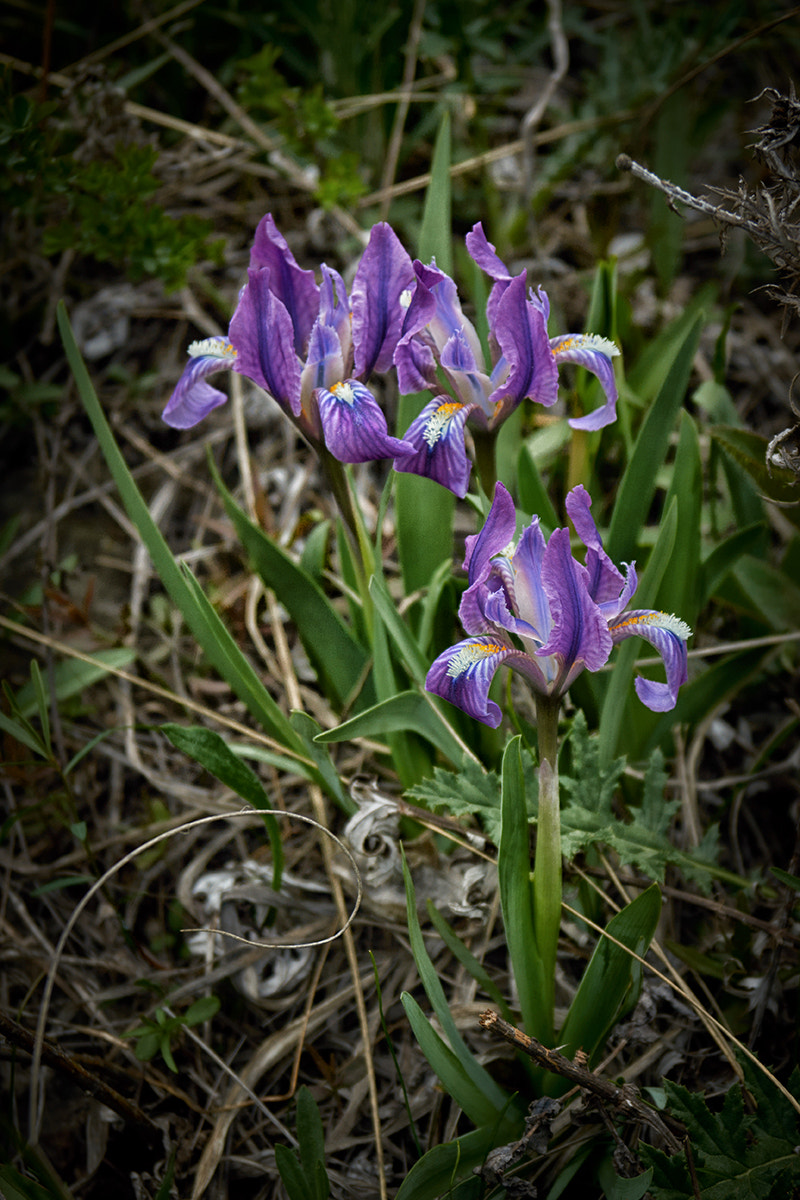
[[308, 346], [438, 342], [537, 609]]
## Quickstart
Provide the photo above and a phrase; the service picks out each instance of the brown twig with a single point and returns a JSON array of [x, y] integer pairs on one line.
[[17, 1035], [625, 1099]]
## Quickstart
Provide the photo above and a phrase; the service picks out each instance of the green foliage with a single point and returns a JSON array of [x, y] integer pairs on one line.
[[735, 1151], [156, 1034], [303, 1170], [103, 208]]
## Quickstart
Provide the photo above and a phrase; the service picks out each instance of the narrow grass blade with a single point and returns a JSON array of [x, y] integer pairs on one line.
[[639, 481], [612, 978], [212, 752]]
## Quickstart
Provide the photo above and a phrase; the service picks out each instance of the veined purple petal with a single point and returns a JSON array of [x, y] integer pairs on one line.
[[579, 636], [384, 274], [261, 331], [521, 332], [669, 635], [605, 580], [595, 354], [437, 437], [353, 424], [463, 674], [193, 398], [295, 288]]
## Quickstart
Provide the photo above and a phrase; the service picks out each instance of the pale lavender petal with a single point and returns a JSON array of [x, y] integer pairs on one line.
[[605, 580], [295, 288], [261, 331], [384, 274], [669, 635], [334, 309], [193, 398], [463, 675], [353, 424], [439, 453], [595, 354], [325, 364], [521, 333], [531, 599], [579, 636]]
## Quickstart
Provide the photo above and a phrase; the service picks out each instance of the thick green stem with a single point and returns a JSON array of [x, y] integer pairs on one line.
[[547, 859], [485, 443], [363, 559]]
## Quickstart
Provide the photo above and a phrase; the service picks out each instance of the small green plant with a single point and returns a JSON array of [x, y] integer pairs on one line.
[[157, 1033], [303, 1170]]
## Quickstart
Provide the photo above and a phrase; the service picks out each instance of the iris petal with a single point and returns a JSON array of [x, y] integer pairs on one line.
[[669, 635], [579, 636], [193, 398], [383, 275], [595, 354], [295, 288], [463, 675], [353, 424], [262, 332], [437, 436]]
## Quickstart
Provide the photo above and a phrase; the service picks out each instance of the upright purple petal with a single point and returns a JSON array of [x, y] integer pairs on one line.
[[531, 599], [193, 398], [579, 636], [325, 364], [353, 424], [481, 561], [296, 289], [483, 253], [261, 331], [334, 309], [384, 274], [439, 453], [605, 580], [669, 635], [416, 366], [521, 332]]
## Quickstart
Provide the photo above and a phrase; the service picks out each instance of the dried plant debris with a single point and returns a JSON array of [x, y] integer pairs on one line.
[[769, 214]]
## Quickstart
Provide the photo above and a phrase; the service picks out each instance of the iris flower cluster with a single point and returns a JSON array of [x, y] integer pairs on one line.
[[313, 349], [534, 607]]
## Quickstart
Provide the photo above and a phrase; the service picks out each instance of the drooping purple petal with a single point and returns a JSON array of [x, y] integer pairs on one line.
[[463, 674], [384, 274], [296, 289], [669, 635], [439, 453], [521, 333], [579, 636], [193, 398], [595, 354], [261, 331], [353, 424]]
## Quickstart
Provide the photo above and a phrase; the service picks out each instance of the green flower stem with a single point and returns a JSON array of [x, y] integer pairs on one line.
[[485, 443], [547, 858], [363, 557]]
